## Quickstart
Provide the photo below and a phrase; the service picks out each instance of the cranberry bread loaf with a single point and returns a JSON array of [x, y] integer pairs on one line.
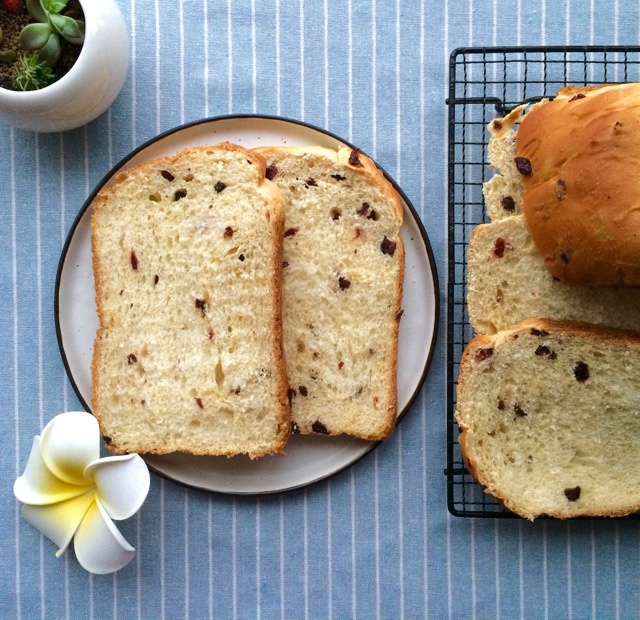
[[342, 290], [507, 283], [187, 254], [549, 414], [576, 159]]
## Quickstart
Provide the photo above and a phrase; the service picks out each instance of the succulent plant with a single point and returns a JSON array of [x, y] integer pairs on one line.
[[43, 36], [32, 73]]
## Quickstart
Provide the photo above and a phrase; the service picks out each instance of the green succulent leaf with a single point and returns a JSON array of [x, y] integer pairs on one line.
[[54, 6], [36, 11], [68, 28], [35, 36], [50, 53], [7, 55]]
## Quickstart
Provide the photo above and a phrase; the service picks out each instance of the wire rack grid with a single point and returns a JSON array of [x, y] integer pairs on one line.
[[485, 83]]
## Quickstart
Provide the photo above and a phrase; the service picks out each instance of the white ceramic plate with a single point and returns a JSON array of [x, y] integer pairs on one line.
[[308, 458]]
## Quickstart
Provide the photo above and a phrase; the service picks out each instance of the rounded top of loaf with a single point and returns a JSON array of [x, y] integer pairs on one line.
[[579, 160]]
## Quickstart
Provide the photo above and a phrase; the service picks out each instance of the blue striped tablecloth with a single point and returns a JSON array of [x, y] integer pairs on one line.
[[375, 541]]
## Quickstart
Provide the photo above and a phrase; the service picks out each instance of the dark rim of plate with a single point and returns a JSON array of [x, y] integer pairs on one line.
[[106, 178]]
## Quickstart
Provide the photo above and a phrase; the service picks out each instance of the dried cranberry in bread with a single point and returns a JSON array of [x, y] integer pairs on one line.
[[549, 414], [187, 254], [579, 157], [342, 290]]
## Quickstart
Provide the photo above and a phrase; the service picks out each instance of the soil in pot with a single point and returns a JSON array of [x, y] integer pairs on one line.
[[11, 24]]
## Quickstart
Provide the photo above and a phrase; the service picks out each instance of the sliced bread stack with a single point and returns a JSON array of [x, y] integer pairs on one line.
[[548, 393], [192, 283], [342, 290], [187, 262]]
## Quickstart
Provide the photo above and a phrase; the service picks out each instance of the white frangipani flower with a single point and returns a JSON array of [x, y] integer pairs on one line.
[[70, 492]]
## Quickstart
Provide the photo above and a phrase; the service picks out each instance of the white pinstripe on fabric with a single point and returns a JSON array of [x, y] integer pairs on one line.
[[329, 553], [521, 570], [91, 598], [374, 81], [258, 563], [158, 83], [234, 558], [205, 69], [325, 37], [16, 383], [187, 588], [133, 73], [181, 57], [350, 66], [472, 545], [593, 569], [282, 578], [278, 67], [301, 54], [569, 573], [162, 552], [545, 570], [230, 57], [496, 563], [254, 69], [352, 507], [38, 240], [210, 556], [617, 569]]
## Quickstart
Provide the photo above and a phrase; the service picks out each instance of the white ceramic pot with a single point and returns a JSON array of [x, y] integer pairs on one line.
[[89, 87]]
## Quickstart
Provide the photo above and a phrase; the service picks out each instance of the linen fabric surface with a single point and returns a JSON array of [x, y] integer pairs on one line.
[[375, 541]]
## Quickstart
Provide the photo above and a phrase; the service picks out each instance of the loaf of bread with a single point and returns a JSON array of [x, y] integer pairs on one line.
[[578, 157], [507, 283], [549, 414], [187, 254], [342, 290]]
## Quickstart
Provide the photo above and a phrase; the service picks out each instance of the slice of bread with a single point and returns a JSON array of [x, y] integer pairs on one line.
[[549, 414], [342, 290], [507, 283], [187, 254]]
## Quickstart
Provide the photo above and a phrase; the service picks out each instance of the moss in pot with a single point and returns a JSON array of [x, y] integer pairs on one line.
[[64, 61]]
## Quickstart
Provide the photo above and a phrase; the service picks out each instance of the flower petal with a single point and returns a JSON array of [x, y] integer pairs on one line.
[[59, 522], [99, 545], [122, 483], [39, 486], [69, 443]]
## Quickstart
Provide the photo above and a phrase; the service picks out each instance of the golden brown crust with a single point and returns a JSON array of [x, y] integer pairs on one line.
[[277, 227], [581, 199]]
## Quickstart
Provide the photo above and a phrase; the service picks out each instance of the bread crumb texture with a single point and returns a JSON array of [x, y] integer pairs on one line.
[[342, 290], [549, 414], [187, 254]]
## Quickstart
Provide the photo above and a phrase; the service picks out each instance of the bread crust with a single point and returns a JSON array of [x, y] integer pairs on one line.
[[471, 444], [581, 199], [276, 223], [360, 164]]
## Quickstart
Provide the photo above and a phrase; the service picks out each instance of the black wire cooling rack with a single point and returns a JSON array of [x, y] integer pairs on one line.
[[485, 83]]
